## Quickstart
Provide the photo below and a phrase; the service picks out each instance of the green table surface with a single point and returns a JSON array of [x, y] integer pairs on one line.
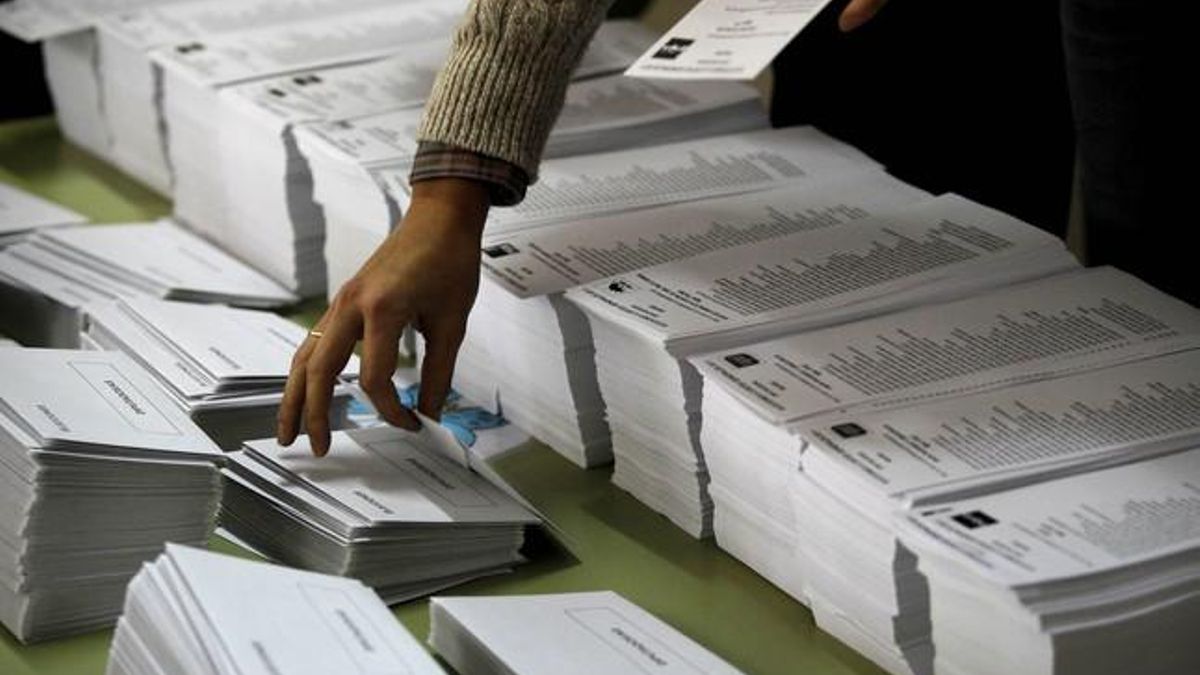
[[618, 544]]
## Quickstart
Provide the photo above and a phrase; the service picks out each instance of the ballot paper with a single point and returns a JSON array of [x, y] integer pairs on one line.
[[34, 20], [645, 323], [193, 612], [726, 39], [100, 468], [21, 213], [556, 257], [1096, 573], [1077, 320], [130, 88], [263, 177], [72, 58], [194, 114], [588, 185], [861, 468], [362, 164], [37, 20], [506, 354], [580, 633], [755, 395], [399, 510], [227, 367], [164, 260]]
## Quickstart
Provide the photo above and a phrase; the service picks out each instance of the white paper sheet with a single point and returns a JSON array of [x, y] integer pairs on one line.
[[1025, 332], [1075, 526], [726, 39], [595, 633], [553, 258]]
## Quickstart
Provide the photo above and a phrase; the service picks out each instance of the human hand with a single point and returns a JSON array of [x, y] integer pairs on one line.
[[426, 273], [859, 12]]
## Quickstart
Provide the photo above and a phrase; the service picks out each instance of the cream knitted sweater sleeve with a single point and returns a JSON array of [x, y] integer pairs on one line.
[[503, 85]]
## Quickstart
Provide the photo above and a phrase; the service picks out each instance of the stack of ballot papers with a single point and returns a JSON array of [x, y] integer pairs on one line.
[[72, 59], [201, 144], [46, 281], [360, 164], [396, 509], [22, 213], [1098, 573], [192, 612], [860, 468], [226, 367], [131, 87], [557, 398], [647, 322], [98, 468], [755, 395], [585, 633]]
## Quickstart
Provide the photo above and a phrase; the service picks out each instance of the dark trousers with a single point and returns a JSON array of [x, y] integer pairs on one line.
[[990, 100], [1131, 142]]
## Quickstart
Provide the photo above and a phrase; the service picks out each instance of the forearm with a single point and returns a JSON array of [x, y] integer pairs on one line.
[[504, 82]]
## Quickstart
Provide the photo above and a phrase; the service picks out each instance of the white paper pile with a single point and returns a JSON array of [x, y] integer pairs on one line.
[[22, 213], [360, 165], [130, 87], [98, 468], [226, 367], [1098, 573], [396, 509], [568, 633], [164, 260], [521, 325], [646, 323], [40, 304], [753, 394], [45, 282], [264, 178], [72, 58], [194, 72], [192, 612], [860, 468]]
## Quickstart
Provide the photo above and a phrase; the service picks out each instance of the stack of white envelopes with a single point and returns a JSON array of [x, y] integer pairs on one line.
[[580, 633], [203, 140], [862, 468], [226, 367], [647, 322], [164, 260], [1097, 573], [99, 469], [47, 280], [535, 352], [22, 213], [396, 509], [193, 612], [755, 395]]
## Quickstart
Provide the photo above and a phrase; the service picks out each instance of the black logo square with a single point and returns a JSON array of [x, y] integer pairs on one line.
[[673, 48], [849, 430], [741, 360], [499, 250], [974, 520]]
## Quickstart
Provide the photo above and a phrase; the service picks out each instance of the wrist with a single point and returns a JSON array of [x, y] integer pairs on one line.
[[458, 203]]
